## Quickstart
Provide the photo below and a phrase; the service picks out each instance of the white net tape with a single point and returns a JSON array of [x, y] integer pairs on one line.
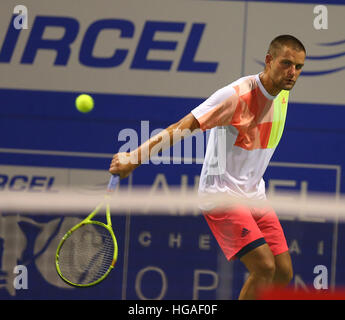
[[175, 202]]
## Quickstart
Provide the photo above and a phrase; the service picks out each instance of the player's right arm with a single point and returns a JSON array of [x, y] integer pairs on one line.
[[125, 162], [217, 110]]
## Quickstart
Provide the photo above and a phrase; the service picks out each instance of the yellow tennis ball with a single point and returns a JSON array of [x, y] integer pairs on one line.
[[84, 103]]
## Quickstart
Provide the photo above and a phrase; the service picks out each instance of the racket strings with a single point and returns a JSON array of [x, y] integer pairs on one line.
[[87, 254]]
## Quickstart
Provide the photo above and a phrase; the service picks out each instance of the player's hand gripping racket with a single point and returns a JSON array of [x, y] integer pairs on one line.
[[88, 252]]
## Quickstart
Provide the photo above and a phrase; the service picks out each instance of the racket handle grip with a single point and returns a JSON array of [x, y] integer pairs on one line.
[[114, 180]]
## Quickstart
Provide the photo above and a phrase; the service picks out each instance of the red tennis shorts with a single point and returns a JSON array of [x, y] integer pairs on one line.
[[241, 229]]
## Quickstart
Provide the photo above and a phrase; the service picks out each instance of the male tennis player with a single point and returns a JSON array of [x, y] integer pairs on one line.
[[251, 112]]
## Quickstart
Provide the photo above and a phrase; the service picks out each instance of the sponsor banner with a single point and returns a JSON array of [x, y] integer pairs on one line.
[[323, 73], [169, 48], [166, 48], [39, 179]]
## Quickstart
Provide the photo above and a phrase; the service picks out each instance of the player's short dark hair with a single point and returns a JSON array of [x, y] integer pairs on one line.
[[285, 40]]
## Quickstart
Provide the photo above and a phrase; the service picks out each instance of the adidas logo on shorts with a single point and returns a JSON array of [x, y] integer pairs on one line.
[[244, 232]]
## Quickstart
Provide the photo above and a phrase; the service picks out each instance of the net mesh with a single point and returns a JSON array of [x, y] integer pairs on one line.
[[166, 248], [87, 254]]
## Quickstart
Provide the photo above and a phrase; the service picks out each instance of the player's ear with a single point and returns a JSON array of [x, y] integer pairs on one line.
[[268, 60]]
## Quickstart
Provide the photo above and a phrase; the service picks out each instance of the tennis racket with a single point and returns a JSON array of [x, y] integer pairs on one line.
[[88, 252]]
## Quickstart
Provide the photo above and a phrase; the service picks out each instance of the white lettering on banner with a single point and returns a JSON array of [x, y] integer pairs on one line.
[[145, 238], [294, 247], [139, 279], [299, 283], [301, 189], [160, 184], [320, 248], [204, 242], [211, 276], [197, 286], [174, 240], [159, 49]]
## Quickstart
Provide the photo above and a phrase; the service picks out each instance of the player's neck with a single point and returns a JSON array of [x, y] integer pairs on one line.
[[268, 84]]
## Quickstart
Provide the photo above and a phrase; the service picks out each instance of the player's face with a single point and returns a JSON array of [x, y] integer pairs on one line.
[[285, 67]]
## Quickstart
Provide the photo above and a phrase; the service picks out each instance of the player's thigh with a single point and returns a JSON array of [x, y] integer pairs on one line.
[[271, 229], [260, 261]]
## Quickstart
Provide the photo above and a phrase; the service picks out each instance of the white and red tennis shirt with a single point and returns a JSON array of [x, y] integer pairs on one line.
[[246, 125]]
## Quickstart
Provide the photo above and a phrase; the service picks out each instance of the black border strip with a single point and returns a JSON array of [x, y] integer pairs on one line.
[[250, 246]]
